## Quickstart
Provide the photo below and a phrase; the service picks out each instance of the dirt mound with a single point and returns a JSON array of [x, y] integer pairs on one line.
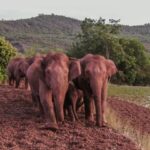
[[20, 123], [138, 116]]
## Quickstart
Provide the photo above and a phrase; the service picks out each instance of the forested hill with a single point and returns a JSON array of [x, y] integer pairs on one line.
[[41, 32], [56, 32], [141, 32]]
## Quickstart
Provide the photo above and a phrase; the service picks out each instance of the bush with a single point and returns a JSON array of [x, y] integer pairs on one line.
[[7, 51]]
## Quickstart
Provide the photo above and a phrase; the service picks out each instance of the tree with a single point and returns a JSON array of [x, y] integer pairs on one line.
[[7, 51], [97, 37]]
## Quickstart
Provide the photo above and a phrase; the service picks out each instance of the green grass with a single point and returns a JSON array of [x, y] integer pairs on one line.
[[136, 94]]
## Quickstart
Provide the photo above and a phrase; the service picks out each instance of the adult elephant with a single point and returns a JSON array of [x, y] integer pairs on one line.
[[33, 75], [20, 71], [11, 69], [17, 69], [93, 81], [54, 73]]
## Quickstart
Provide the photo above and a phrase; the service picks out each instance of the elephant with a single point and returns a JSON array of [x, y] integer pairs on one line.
[[96, 70], [33, 79], [54, 72], [11, 69], [20, 71], [73, 101], [17, 68]]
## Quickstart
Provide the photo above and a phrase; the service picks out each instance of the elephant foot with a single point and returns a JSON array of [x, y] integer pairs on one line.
[[89, 123], [90, 119], [102, 124], [50, 126], [73, 119], [105, 124]]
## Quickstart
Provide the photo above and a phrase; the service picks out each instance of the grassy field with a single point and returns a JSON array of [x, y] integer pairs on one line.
[[136, 94]]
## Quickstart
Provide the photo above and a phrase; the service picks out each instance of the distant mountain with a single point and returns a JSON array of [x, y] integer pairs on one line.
[[56, 32], [142, 32]]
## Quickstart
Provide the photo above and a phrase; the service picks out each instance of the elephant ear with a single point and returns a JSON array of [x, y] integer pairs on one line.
[[111, 67], [74, 68]]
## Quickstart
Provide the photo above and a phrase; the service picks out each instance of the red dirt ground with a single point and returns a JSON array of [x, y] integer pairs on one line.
[[20, 123], [138, 116]]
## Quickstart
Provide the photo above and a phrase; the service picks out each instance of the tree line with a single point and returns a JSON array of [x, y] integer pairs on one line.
[[129, 54]]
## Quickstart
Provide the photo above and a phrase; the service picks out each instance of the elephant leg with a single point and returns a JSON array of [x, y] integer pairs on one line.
[[59, 104], [104, 101], [98, 108], [96, 87], [65, 111], [18, 78], [88, 103], [13, 81], [49, 114], [70, 113], [10, 79], [80, 102], [59, 112], [74, 102], [40, 105], [26, 83], [34, 99], [86, 107], [48, 106]]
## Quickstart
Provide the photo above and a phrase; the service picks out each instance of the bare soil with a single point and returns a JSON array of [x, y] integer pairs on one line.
[[20, 128], [137, 116]]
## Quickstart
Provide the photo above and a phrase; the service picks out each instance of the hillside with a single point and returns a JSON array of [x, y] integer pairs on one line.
[[56, 32], [41, 32], [142, 32]]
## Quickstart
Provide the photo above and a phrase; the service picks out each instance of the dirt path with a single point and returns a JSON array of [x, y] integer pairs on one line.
[[19, 129]]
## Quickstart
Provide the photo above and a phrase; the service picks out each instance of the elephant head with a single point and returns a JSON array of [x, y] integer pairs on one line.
[[74, 68]]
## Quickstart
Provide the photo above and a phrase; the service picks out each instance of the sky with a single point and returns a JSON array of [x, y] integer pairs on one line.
[[131, 12]]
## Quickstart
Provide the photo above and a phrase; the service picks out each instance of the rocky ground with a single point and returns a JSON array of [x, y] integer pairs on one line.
[[20, 127]]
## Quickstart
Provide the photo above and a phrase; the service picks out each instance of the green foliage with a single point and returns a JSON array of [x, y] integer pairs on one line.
[[30, 52], [6, 52], [43, 32], [142, 32], [128, 54], [135, 94], [96, 37]]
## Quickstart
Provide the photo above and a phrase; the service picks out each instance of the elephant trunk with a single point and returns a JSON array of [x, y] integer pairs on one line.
[[96, 87]]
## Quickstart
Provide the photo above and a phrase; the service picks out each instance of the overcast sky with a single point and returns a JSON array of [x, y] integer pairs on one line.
[[131, 12]]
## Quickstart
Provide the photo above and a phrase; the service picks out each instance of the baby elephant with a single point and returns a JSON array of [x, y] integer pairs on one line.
[[73, 101]]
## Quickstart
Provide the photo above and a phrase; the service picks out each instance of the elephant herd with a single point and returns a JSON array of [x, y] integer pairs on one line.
[[60, 85]]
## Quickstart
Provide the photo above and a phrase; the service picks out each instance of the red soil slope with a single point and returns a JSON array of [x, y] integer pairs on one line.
[[138, 116], [20, 123]]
